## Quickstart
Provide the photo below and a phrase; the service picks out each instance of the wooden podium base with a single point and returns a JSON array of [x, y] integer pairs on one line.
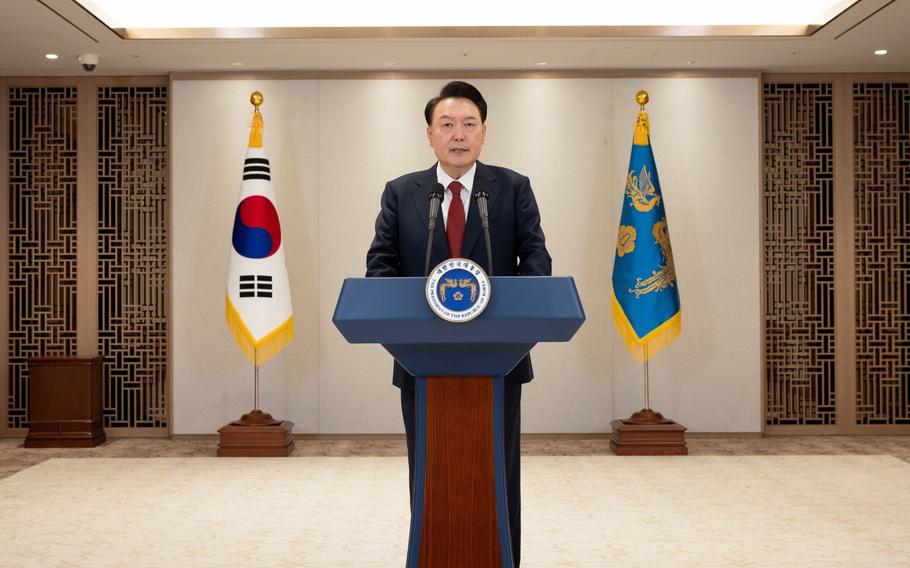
[[256, 435], [648, 433], [459, 513]]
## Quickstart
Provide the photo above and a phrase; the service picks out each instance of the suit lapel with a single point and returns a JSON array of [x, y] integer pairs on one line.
[[419, 196], [483, 177]]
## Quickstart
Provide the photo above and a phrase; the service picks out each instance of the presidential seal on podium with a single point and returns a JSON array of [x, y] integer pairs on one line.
[[458, 290]]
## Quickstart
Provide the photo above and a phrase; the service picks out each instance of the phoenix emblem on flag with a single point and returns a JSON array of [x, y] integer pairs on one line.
[[666, 273], [641, 190]]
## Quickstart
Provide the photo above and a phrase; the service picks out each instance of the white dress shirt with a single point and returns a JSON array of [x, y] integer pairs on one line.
[[467, 183]]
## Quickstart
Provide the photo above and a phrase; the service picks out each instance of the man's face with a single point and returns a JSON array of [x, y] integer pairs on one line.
[[456, 135]]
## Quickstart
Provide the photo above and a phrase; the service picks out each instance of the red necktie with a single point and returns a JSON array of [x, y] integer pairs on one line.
[[455, 220]]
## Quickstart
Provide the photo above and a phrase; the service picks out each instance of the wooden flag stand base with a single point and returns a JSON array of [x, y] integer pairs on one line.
[[648, 433], [255, 435]]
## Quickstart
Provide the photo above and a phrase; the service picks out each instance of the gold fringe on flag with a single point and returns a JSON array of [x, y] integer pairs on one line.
[[644, 348], [258, 352]]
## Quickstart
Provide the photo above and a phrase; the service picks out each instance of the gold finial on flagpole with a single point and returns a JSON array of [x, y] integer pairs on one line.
[[641, 97], [256, 99], [256, 128]]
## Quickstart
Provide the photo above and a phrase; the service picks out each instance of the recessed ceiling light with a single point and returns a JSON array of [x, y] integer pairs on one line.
[[541, 63], [388, 63], [881, 52], [237, 64], [691, 62], [51, 56]]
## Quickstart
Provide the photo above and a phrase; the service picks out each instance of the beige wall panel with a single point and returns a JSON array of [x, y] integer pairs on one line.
[[213, 382], [369, 132], [706, 142]]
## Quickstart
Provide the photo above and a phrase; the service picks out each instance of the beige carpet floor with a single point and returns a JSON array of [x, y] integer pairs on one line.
[[591, 511]]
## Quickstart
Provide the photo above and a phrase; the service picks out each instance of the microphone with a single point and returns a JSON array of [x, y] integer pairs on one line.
[[481, 196], [435, 195]]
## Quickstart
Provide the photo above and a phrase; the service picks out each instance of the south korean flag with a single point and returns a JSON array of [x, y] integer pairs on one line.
[[258, 295]]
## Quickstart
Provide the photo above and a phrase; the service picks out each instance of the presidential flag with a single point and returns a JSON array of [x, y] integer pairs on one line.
[[645, 291], [258, 295]]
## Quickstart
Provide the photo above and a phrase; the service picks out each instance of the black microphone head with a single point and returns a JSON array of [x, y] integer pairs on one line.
[[436, 191], [480, 191]]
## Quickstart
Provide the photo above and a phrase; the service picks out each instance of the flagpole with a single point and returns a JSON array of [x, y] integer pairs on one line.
[[256, 433], [647, 388], [646, 432], [645, 415], [256, 417], [256, 380]]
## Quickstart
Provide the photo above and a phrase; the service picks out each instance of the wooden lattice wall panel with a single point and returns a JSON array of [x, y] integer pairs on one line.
[[133, 254], [798, 208], [42, 233], [881, 159]]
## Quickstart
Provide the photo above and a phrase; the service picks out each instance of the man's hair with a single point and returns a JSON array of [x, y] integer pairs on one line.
[[461, 90]]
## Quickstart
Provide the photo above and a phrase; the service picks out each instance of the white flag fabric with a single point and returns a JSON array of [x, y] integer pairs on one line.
[[258, 294]]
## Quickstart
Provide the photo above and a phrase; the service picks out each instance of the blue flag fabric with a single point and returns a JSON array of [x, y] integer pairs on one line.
[[646, 305]]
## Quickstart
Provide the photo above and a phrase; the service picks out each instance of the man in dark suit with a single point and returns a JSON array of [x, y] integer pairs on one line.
[[456, 129]]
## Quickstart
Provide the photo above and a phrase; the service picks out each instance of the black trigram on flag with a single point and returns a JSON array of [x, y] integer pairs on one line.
[[257, 168], [255, 286]]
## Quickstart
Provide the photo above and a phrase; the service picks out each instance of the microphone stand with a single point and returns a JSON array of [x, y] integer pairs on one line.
[[435, 196], [481, 196]]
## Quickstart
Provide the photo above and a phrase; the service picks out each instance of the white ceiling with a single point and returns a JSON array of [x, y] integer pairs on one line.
[[31, 28]]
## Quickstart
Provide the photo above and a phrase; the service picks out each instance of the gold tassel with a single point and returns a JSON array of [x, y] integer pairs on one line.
[[645, 348], [642, 135], [256, 131], [267, 347]]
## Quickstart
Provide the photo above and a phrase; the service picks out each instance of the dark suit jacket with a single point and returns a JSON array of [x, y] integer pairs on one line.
[[518, 248]]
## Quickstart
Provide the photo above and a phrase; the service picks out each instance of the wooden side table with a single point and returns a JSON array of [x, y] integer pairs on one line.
[[64, 402]]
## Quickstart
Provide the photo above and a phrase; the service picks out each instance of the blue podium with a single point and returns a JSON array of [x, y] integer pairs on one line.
[[459, 514]]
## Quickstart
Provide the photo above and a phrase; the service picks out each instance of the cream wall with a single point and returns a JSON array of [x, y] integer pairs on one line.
[[334, 143]]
